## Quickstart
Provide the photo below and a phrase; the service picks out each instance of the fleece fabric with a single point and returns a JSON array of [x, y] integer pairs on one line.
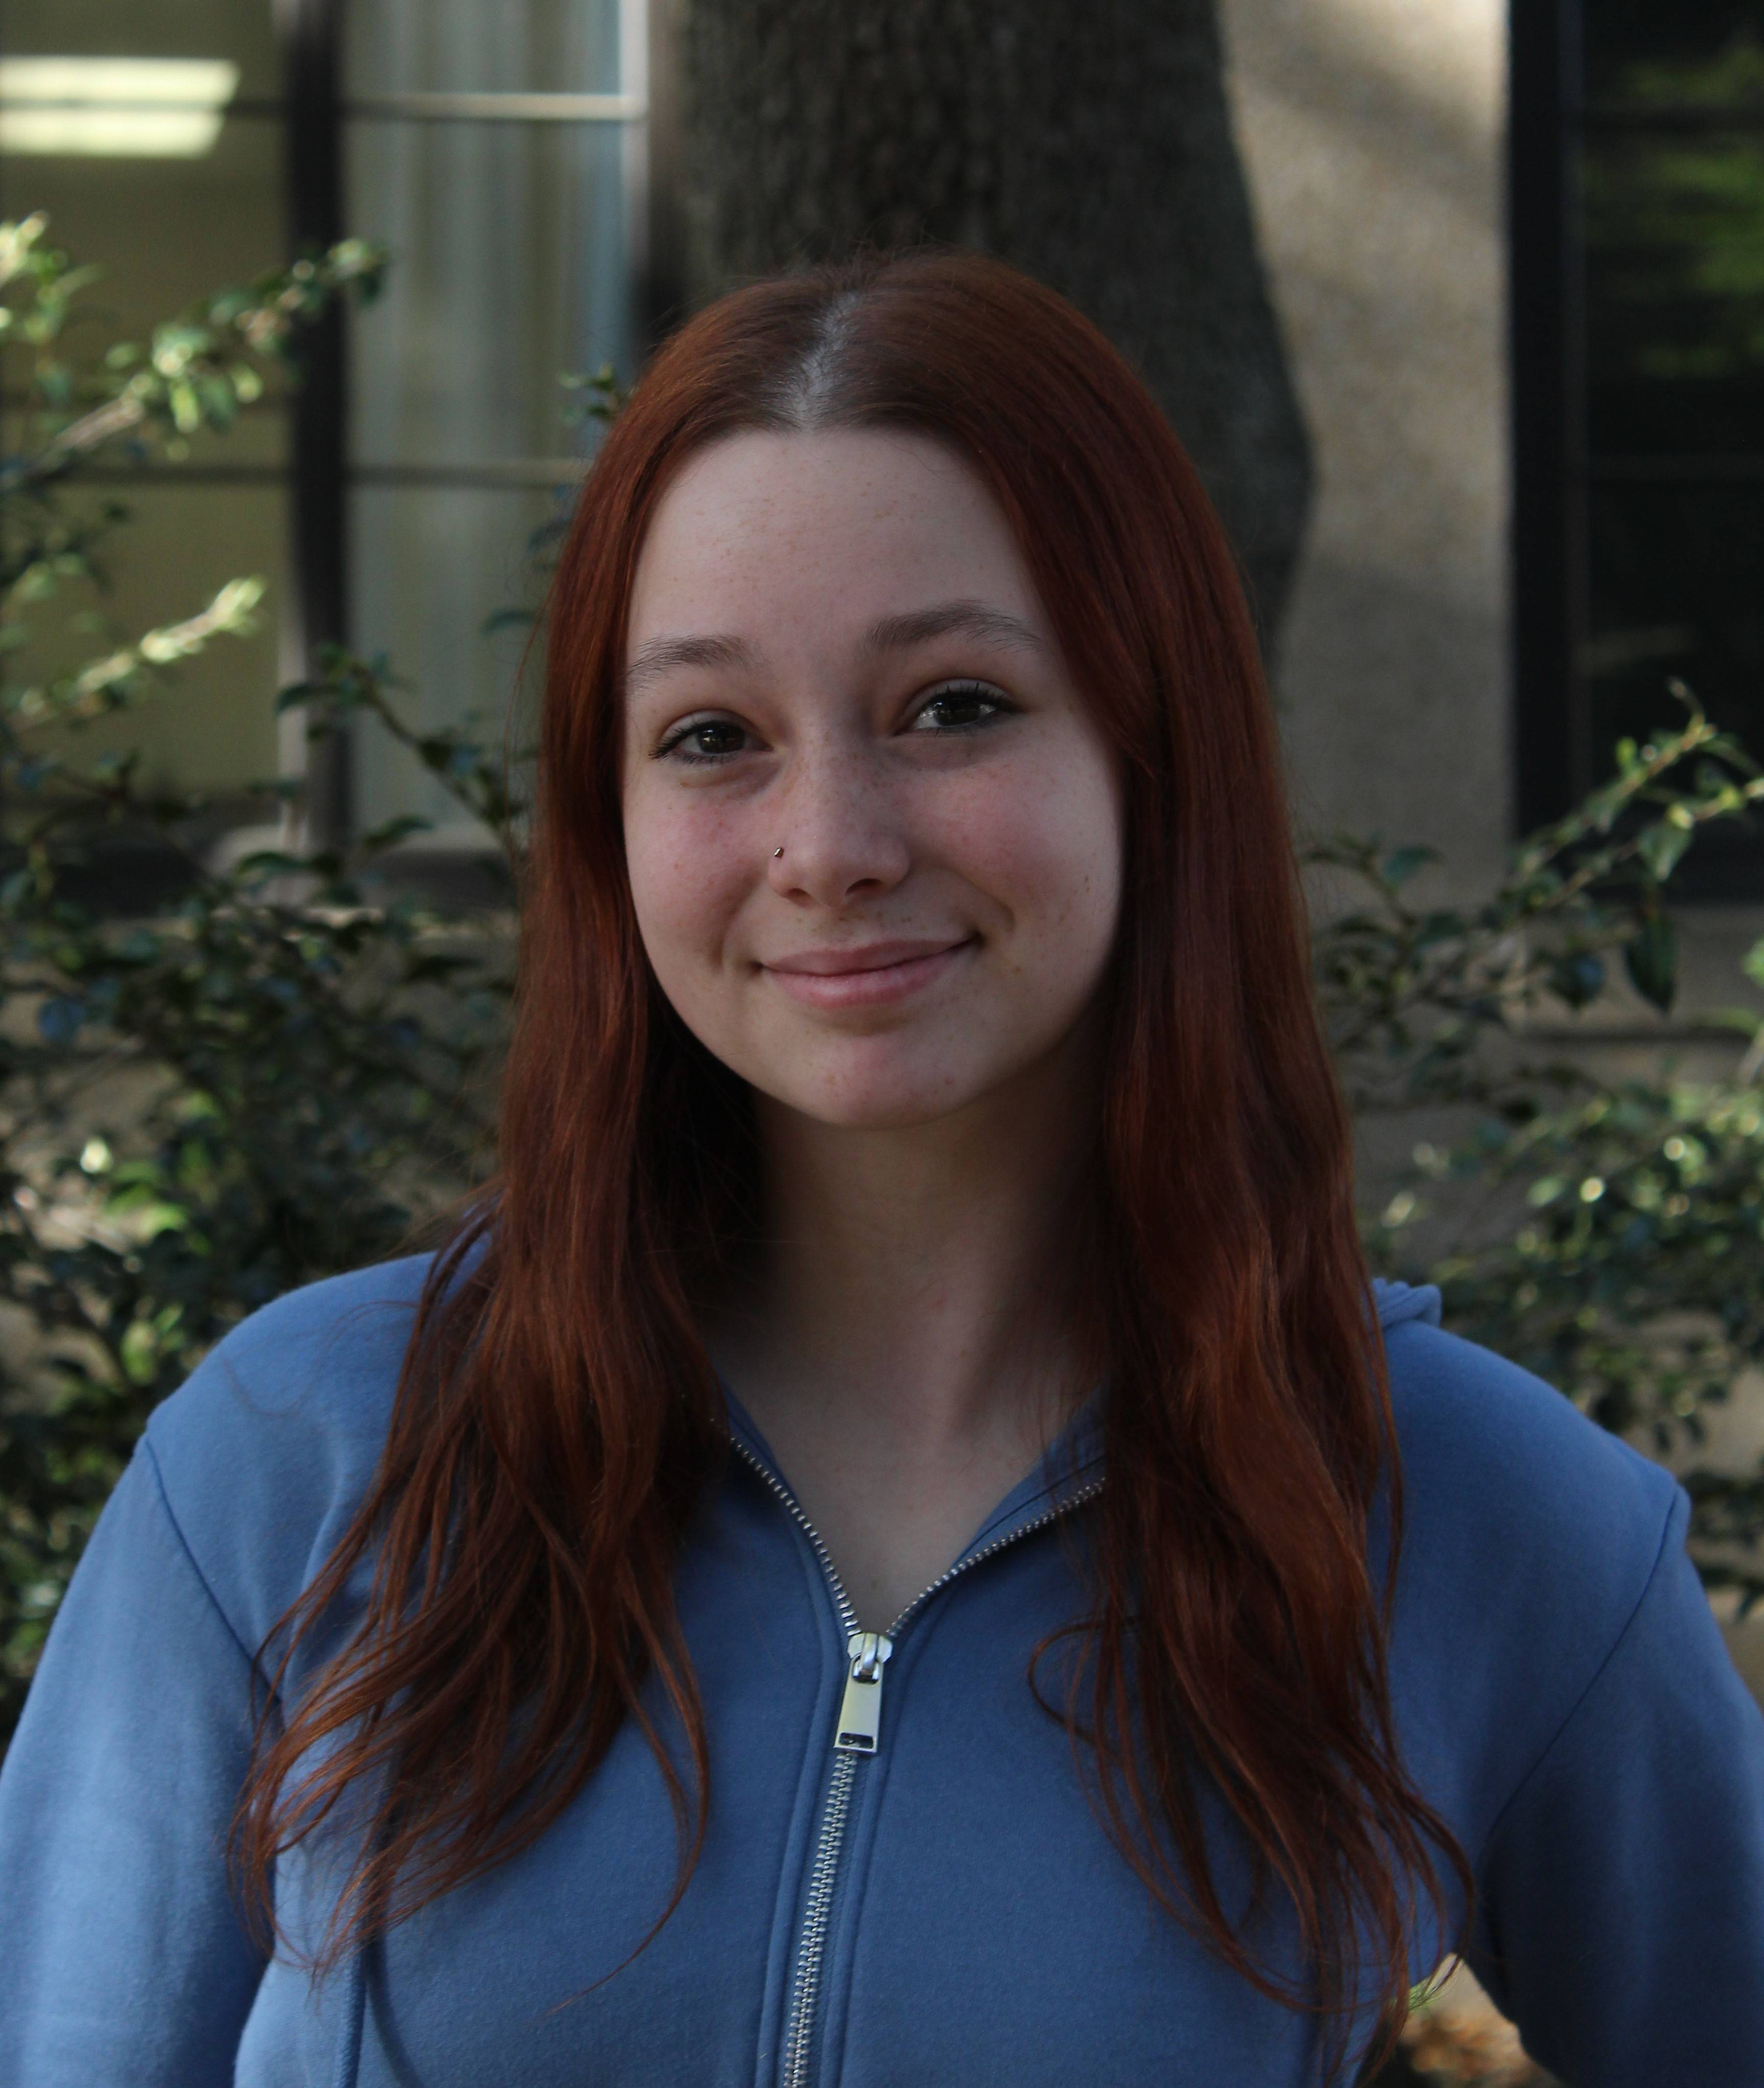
[[946, 1909]]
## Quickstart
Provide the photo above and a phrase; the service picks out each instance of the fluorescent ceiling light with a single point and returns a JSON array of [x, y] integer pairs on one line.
[[158, 109]]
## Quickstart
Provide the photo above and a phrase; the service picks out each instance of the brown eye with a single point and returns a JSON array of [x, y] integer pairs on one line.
[[704, 739], [961, 707]]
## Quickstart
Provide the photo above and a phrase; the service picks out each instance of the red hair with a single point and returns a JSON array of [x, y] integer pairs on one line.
[[557, 1417]]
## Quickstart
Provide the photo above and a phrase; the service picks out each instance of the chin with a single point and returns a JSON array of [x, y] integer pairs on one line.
[[877, 1113], [903, 1100]]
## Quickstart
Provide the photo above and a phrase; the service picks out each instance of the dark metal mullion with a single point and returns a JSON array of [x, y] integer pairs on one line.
[[509, 477], [310, 31], [415, 108], [1584, 758], [662, 298], [1673, 117], [1687, 468], [1546, 530], [183, 474]]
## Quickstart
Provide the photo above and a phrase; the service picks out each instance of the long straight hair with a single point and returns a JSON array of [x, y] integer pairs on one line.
[[556, 1418]]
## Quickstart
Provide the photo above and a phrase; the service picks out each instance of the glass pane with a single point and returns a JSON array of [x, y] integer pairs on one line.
[[508, 269], [1674, 233], [1695, 53], [462, 46], [163, 232], [215, 729], [241, 30], [1677, 589], [429, 568]]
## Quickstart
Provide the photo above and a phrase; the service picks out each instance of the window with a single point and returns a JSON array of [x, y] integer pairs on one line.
[[493, 151], [168, 215], [1637, 222], [498, 152]]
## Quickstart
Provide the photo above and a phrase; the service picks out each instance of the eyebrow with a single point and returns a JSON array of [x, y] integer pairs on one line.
[[662, 654], [963, 619], [888, 634]]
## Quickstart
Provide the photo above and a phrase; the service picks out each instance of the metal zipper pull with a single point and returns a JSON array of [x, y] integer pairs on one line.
[[860, 1712]]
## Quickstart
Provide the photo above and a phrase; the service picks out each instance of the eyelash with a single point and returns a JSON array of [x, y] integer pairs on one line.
[[1002, 708], [982, 692], [675, 743]]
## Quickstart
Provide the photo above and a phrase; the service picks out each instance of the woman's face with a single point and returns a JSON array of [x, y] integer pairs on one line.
[[835, 653]]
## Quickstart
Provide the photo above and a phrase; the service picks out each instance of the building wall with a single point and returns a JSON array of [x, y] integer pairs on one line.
[[1372, 133]]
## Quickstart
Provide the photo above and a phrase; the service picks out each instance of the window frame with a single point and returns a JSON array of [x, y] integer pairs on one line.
[[1544, 42], [1554, 471], [321, 473]]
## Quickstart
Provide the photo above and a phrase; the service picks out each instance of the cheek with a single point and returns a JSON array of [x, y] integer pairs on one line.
[[1047, 846], [688, 876]]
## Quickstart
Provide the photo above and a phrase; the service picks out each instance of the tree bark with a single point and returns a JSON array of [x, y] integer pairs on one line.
[[1092, 147]]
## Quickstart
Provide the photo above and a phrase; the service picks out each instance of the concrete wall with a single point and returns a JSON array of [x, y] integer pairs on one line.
[[1372, 133]]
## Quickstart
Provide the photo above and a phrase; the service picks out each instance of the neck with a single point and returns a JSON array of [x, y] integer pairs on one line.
[[915, 1285]]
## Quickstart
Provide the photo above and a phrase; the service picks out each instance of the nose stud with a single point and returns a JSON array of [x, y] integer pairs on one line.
[[776, 853]]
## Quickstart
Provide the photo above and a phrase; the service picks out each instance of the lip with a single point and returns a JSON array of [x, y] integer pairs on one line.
[[866, 974]]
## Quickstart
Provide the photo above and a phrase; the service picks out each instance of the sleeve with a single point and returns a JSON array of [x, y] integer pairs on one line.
[[1621, 1915], [125, 1958]]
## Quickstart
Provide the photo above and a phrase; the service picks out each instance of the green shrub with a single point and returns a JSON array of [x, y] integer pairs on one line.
[[285, 1069], [1609, 1238], [272, 1078]]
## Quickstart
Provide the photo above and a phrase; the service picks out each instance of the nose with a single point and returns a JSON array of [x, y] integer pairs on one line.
[[842, 837]]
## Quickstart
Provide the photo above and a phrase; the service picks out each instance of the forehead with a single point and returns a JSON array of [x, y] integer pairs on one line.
[[822, 532]]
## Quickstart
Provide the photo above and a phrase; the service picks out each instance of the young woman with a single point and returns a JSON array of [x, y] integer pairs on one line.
[[898, 1546]]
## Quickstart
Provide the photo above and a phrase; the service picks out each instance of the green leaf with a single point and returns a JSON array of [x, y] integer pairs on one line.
[[59, 1019], [392, 831], [1577, 979], [267, 862], [1661, 846], [1402, 864], [1651, 957]]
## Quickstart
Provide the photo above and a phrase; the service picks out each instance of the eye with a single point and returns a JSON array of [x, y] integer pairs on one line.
[[961, 707], [701, 740]]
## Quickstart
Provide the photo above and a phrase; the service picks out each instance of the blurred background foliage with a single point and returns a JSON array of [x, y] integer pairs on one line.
[[267, 1079], [1603, 1234], [286, 1068]]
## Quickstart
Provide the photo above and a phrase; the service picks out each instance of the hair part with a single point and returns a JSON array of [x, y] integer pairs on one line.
[[557, 1418], [808, 393]]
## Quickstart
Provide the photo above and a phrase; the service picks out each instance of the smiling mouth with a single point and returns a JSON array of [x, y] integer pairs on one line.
[[868, 975]]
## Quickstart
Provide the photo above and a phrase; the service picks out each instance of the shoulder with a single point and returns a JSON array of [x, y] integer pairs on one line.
[[265, 1453], [1494, 1458], [1530, 1535]]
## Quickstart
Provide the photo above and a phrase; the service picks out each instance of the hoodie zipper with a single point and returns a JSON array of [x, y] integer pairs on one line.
[[857, 1733]]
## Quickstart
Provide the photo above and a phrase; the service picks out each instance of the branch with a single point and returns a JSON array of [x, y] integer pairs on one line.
[[107, 685]]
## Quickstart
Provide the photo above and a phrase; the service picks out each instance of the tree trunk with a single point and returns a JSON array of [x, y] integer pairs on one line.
[[1092, 148]]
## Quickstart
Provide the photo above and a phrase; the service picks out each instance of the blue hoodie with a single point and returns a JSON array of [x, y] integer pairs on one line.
[[934, 1901]]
